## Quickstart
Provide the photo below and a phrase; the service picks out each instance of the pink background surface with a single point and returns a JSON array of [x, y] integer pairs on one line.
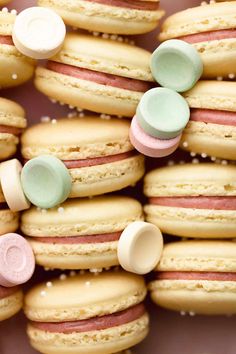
[[170, 333]]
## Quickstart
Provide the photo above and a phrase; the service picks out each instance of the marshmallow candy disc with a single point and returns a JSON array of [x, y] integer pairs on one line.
[[140, 247], [38, 32], [11, 185], [17, 261], [46, 181], [176, 65], [163, 113]]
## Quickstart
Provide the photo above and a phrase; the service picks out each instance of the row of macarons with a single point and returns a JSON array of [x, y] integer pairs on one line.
[[104, 312]]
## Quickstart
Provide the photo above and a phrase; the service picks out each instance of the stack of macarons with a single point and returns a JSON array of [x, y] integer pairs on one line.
[[102, 314], [109, 16], [97, 74], [15, 68]]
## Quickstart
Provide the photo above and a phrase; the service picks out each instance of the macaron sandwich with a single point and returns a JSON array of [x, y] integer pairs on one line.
[[97, 74], [110, 16], [9, 220], [197, 277], [97, 152], [193, 200], [81, 233], [11, 301], [12, 123], [211, 29], [212, 126], [100, 314], [15, 68]]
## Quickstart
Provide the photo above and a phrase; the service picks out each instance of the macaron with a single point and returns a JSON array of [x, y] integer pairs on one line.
[[110, 16], [11, 301], [197, 277], [212, 126], [97, 74], [15, 68], [12, 123], [9, 220], [81, 233], [97, 152], [100, 314], [211, 29], [193, 200]]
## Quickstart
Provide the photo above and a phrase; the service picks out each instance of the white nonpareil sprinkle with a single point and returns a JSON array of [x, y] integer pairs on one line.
[[224, 162], [53, 100], [113, 37], [183, 313], [105, 35], [14, 76], [231, 76], [96, 34], [5, 10], [60, 210], [185, 144], [72, 273], [193, 154], [195, 161], [49, 284], [203, 155], [62, 277], [45, 119], [53, 121], [191, 313], [213, 158], [43, 293], [14, 12], [170, 163]]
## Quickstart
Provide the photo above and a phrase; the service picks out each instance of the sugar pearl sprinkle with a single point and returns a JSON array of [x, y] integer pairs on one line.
[[14, 76], [45, 119], [60, 210], [49, 284], [62, 277], [43, 293], [113, 37], [72, 273]]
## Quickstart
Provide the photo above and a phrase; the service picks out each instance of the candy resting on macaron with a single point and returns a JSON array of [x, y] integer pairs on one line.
[[97, 152], [15, 68], [80, 233], [161, 116], [12, 123], [193, 200], [212, 126], [197, 277], [97, 74], [110, 16], [211, 29], [100, 314]]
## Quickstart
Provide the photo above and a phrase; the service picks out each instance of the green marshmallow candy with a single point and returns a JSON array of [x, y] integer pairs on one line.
[[46, 181], [177, 65], [163, 113]]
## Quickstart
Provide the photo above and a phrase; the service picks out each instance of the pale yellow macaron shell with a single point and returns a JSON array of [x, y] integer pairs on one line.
[[87, 296], [10, 305], [12, 115], [196, 180], [197, 296], [9, 220], [216, 140], [15, 68], [89, 137], [102, 55], [218, 55], [97, 216], [104, 18]]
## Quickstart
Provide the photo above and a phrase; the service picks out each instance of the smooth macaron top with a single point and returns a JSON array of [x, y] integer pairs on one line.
[[77, 138], [204, 179], [209, 17], [99, 215], [84, 296], [7, 20], [105, 55], [219, 95], [11, 114], [199, 256]]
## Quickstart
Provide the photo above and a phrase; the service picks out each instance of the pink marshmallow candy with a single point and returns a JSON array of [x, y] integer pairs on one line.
[[150, 146], [17, 262]]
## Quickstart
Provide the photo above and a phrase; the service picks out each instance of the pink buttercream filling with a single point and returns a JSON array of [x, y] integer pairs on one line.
[[80, 239], [99, 77], [209, 36], [215, 203], [98, 160], [6, 40], [196, 276], [5, 292], [93, 324], [130, 4], [213, 116]]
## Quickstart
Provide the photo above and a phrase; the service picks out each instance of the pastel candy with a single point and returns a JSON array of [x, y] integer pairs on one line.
[[17, 261], [140, 247], [149, 146], [163, 113], [177, 65], [46, 181], [11, 185], [38, 32]]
